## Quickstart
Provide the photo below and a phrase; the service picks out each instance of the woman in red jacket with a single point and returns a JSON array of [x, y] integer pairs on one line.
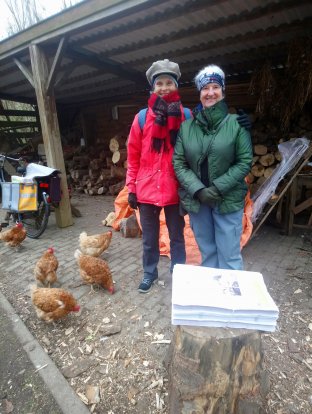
[[151, 180]]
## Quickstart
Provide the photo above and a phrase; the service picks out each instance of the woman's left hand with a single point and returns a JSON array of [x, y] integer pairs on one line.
[[243, 119], [209, 196]]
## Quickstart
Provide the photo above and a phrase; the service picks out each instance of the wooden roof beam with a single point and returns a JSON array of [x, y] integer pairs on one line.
[[56, 64], [17, 112], [88, 58], [18, 98], [26, 72], [18, 124]]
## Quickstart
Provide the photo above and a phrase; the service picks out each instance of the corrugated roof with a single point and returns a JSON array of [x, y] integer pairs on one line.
[[110, 44]]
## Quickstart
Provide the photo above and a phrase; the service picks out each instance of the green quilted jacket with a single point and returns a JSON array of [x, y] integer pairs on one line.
[[215, 134]]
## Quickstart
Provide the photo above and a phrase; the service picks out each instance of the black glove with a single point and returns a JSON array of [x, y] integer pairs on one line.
[[209, 196], [133, 201], [243, 119]]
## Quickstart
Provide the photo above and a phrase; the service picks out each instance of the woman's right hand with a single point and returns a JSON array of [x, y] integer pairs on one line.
[[133, 201], [209, 196]]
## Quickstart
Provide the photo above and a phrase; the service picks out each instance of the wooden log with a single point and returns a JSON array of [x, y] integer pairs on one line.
[[261, 180], [94, 173], [75, 211], [260, 149], [257, 170], [118, 172], [215, 370], [96, 164], [115, 188], [103, 155], [93, 191], [250, 178], [109, 162], [81, 161], [76, 174], [278, 156], [129, 227], [267, 159], [114, 144], [268, 172], [105, 174], [102, 190], [255, 159], [119, 156]]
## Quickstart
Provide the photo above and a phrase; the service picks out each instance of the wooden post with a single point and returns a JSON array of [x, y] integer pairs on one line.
[[216, 371], [50, 130]]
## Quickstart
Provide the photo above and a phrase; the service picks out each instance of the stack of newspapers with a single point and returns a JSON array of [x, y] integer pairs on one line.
[[203, 296]]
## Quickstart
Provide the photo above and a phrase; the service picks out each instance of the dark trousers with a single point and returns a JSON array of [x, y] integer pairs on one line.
[[149, 217]]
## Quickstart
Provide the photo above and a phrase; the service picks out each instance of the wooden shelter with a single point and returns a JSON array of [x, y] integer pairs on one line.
[[97, 53]]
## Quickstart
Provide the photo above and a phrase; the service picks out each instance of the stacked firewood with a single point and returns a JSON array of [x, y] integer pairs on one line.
[[104, 174], [265, 161], [266, 136]]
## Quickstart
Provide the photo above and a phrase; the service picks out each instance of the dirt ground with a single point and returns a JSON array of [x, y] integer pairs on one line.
[[113, 354]]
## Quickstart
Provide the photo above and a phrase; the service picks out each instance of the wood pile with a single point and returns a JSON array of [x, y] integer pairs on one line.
[[265, 161], [102, 169], [266, 136], [101, 173]]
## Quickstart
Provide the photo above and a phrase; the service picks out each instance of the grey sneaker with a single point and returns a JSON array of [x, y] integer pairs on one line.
[[146, 284]]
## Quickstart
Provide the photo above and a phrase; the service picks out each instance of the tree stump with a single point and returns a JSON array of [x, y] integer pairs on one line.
[[216, 371], [129, 227]]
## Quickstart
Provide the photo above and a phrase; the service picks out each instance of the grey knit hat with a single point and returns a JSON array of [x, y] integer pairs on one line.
[[163, 67]]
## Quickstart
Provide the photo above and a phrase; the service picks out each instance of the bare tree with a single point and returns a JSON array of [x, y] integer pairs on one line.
[[23, 14]]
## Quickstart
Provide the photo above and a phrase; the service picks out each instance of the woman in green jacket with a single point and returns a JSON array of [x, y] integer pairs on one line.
[[212, 157]]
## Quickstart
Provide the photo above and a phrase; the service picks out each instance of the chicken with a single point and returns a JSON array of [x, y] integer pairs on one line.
[[14, 236], [52, 303], [109, 220], [46, 267], [96, 244], [94, 270]]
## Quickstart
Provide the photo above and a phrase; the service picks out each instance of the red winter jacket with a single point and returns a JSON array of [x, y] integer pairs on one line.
[[150, 174]]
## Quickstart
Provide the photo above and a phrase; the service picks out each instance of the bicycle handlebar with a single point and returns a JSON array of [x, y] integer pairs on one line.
[[10, 158]]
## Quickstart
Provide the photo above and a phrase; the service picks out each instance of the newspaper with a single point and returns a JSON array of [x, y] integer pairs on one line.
[[205, 296]]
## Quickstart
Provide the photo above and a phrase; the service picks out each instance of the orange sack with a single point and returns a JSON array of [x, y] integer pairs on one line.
[[123, 210]]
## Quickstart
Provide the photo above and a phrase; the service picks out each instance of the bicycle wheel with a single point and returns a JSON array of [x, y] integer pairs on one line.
[[35, 222]]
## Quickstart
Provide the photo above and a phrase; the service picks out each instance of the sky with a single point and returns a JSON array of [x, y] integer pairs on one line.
[[47, 8]]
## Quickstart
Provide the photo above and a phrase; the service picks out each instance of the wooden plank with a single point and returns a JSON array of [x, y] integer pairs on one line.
[[302, 206], [306, 157], [18, 124], [18, 112], [25, 71], [18, 135], [50, 130], [56, 63], [17, 98]]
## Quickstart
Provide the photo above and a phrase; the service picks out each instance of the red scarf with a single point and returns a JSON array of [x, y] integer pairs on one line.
[[168, 120]]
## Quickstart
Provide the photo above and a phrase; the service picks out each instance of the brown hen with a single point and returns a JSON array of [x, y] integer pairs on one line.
[[46, 267], [94, 245], [52, 303], [94, 270], [14, 236]]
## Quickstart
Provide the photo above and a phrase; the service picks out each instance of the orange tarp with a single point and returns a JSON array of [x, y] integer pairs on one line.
[[123, 210]]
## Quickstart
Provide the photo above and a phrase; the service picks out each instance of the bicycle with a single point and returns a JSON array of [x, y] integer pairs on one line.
[[35, 221]]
